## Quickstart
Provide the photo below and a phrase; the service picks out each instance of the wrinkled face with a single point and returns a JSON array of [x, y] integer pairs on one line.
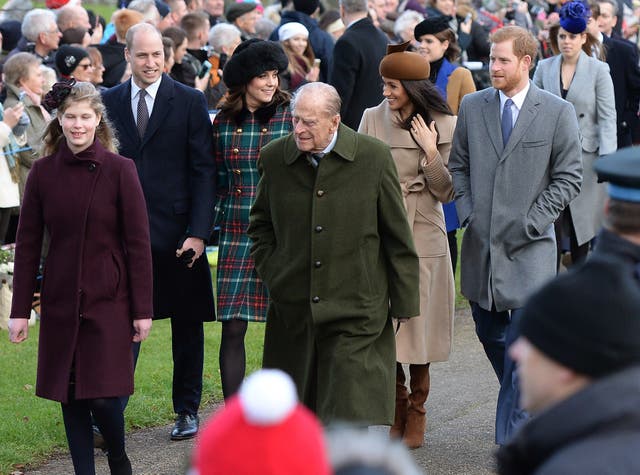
[[432, 48], [247, 21], [396, 96], [570, 44], [83, 71], [79, 122], [297, 44], [313, 127], [146, 57], [261, 89], [539, 377], [380, 7], [447, 7], [508, 73], [34, 81], [51, 37], [607, 19]]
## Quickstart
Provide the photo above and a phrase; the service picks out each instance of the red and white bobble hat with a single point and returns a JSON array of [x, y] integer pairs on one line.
[[263, 430]]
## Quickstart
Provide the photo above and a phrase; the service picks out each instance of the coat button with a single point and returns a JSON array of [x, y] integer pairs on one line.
[[317, 264], [237, 172], [581, 116], [315, 299], [92, 167], [238, 131], [236, 151], [238, 191], [320, 193], [265, 130], [319, 229]]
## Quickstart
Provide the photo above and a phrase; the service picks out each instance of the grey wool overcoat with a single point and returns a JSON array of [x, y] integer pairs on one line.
[[509, 196], [335, 250]]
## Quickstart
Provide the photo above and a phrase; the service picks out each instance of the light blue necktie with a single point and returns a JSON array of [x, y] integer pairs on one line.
[[507, 121]]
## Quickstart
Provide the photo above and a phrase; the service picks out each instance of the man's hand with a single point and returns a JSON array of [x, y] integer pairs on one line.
[[141, 328], [18, 329], [194, 243]]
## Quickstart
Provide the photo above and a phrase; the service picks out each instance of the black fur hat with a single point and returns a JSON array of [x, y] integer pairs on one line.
[[252, 58]]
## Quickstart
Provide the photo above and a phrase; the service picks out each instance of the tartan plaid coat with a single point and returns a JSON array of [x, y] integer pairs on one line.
[[241, 293]]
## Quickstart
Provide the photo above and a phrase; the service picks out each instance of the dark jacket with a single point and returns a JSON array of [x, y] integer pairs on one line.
[[97, 275], [113, 61], [355, 75], [334, 248], [176, 167], [321, 41], [597, 430]]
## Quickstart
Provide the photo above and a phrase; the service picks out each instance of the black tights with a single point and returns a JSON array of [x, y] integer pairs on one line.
[[578, 252], [232, 356], [109, 418]]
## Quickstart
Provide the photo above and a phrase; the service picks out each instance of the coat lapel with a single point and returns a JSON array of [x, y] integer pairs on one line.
[[491, 114], [526, 115], [161, 106], [579, 78]]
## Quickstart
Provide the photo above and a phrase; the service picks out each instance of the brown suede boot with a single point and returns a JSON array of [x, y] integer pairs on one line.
[[402, 403], [416, 414]]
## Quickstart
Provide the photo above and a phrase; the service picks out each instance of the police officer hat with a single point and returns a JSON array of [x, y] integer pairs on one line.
[[622, 171]]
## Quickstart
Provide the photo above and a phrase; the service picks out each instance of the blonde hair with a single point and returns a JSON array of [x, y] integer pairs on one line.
[[81, 91]]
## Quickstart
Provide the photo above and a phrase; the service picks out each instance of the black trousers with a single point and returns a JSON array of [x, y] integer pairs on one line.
[[187, 346], [107, 415]]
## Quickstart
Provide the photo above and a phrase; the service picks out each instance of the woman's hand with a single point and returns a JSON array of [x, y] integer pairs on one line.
[[427, 137], [18, 329], [141, 328], [12, 115], [314, 74]]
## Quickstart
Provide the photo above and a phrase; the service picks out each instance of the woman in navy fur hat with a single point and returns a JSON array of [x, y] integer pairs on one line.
[[253, 112]]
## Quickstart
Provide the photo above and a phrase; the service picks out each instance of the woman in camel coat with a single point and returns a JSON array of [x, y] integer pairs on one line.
[[418, 125]]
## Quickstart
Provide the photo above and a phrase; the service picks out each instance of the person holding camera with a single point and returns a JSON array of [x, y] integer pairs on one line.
[[253, 112]]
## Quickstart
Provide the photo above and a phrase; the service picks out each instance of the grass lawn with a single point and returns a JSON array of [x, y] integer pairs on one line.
[[31, 428]]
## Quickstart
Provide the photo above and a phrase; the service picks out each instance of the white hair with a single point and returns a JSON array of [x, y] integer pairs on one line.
[[406, 19], [223, 34], [37, 21]]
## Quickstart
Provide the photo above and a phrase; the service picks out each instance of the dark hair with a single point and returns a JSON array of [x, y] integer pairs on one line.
[[453, 51], [425, 99], [233, 102], [178, 35]]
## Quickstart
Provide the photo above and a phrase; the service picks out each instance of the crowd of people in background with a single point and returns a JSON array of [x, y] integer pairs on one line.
[[241, 116]]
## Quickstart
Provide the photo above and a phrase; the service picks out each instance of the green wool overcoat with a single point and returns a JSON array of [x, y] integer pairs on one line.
[[334, 248]]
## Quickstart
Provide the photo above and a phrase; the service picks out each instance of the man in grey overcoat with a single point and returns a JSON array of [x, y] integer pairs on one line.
[[332, 243], [516, 164]]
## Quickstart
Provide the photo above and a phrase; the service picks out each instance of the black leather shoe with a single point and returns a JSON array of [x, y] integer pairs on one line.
[[186, 427]]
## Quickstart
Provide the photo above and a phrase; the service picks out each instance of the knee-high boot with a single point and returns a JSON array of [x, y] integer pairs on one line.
[[416, 414], [402, 403]]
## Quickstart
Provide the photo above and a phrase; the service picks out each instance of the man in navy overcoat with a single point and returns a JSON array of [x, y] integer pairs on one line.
[[165, 128]]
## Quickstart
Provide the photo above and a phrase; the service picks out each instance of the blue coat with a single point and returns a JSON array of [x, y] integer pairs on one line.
[[176, 167]]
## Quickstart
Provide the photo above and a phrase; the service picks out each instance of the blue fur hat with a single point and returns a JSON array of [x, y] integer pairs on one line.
[[574, 17]]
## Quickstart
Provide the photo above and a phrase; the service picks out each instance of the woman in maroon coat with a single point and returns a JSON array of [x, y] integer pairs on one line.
[[96, 287]]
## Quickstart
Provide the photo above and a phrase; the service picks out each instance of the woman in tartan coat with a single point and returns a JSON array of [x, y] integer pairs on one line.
[[252, 113]]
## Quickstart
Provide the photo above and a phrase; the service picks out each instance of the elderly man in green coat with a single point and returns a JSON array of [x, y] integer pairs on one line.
[[332, 244]]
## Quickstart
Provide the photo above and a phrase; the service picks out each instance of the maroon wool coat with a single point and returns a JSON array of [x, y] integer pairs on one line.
[[97, 276]]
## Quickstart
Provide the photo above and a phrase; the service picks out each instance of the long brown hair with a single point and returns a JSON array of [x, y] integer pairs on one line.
[[592, 44], [294, 64], [233, 102], [425, 99], [81, 91]]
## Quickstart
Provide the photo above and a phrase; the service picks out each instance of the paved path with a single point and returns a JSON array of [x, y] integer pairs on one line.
[[460, 412]]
